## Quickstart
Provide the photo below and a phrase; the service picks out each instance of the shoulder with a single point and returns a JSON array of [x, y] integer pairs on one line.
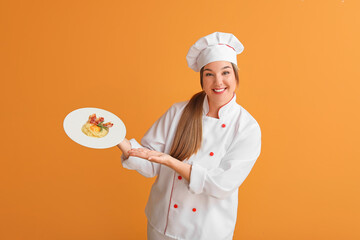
[[177, 108], [247, 136], [174, 111], [245, 116], [247, 123]]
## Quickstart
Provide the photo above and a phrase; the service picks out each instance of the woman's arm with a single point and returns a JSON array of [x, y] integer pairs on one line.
[[154, 139], [234, 167], [125, 147], [184, 169]]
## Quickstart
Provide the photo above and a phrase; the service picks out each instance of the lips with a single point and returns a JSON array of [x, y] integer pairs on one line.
[[219, 90]]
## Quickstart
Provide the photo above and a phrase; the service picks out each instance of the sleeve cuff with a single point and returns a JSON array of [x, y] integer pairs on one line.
[[131, 162], [142, 166], [197, 178]]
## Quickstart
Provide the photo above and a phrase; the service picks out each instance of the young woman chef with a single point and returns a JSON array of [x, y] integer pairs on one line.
[[200, 150]]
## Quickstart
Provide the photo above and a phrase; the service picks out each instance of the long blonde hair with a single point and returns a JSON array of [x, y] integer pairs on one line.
[[188, 136]]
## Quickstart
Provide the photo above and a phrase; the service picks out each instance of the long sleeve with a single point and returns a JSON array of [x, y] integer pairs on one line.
[[154, 139], [234, 167], [142, 166]]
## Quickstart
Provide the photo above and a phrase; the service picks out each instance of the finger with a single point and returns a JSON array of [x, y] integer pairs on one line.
[[155, 159], [138, 154], [154, 153], [137, 151]]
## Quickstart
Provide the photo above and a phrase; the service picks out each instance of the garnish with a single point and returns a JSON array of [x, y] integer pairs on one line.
[[99, 122]]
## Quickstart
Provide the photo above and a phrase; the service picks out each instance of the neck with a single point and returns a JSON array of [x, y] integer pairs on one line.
[[215, 107]]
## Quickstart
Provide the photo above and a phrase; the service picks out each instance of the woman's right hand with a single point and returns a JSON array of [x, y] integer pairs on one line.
[[125, 147]]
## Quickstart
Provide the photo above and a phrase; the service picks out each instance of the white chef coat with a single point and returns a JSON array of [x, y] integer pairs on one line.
[[206, 207]]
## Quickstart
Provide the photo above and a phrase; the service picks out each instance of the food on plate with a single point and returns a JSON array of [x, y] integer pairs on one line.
[[95, 127]]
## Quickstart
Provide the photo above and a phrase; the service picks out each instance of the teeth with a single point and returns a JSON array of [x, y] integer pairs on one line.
[[219, 90]]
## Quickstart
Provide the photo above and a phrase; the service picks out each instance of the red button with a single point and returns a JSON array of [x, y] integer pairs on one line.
[[179, 177], [211, 154], [223, 125], [175, 206], [194, 209]]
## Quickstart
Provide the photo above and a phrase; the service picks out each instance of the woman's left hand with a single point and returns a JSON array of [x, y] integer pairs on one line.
[[150, 155]]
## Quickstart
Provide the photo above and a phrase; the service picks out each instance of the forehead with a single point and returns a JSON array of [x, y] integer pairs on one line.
[[218, 65]]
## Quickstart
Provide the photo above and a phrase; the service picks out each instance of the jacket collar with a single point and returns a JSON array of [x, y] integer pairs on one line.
[[223, 110]]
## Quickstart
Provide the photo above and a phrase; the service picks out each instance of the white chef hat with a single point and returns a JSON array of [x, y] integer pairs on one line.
[[217, 46]]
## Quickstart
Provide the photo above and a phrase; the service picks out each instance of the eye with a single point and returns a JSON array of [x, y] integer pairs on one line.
[[226, 73], [208, 74]]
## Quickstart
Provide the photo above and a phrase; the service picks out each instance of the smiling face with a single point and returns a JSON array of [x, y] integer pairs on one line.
[[219, 82]]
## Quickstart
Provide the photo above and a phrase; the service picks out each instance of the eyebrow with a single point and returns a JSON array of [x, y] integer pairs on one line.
[[207, 69]]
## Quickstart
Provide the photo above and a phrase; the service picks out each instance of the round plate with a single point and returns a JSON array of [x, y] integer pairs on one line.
[[74, 121]]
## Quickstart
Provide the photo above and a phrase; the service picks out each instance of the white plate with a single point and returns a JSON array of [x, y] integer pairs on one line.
[[74, 121]]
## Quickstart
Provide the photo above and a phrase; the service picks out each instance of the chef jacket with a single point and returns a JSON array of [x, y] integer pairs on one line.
[[205, 208]]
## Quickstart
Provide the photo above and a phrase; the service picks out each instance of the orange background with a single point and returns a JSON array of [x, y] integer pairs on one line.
[[299, 78]]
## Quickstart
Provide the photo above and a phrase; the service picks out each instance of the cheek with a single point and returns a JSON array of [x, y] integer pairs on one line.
[[206, 83], [230, 81], [232, 84]]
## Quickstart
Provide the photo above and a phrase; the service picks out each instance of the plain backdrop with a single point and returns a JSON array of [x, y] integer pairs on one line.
[[299, 78]]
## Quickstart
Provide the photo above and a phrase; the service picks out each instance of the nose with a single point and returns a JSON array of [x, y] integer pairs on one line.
[[219, 79]]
